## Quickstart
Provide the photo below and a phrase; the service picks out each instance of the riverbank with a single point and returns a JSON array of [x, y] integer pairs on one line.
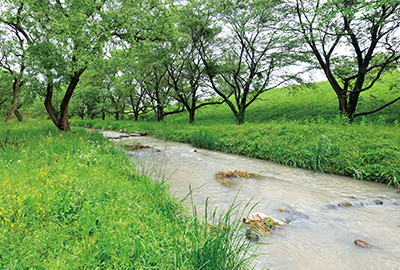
[[73, 200], [366, 151]]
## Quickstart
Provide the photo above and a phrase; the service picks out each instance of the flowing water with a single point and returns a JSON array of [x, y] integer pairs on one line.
[[320, 235]]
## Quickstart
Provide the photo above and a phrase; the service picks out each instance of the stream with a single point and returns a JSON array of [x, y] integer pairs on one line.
[[320, 234]]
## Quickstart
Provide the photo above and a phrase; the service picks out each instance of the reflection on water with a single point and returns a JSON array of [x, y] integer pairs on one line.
[[320, 236]]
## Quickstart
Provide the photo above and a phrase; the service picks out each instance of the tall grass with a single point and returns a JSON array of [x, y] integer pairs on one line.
[[73, 201]]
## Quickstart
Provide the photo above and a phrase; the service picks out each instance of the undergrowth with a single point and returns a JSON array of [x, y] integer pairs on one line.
[[74, 201]]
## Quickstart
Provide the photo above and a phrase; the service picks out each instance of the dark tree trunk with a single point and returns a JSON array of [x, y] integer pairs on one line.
[[117, 116], [18, 114], [240, 116], [159, 114], [191, 116], [14, 103], [62, 122]]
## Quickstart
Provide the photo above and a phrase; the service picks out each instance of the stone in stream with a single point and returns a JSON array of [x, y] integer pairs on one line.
[[124, 136], [378, 202], [361, 243], [345, 204], [141, 133], [293, 213], [331, 206], [134, 135]]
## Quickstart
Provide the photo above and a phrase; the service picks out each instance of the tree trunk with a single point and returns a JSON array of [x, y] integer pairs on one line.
[[117, 116], [352, 105], [160, 114], [14, 103], [191, 115], [342, 98], [18, 114], [103, 115], [240, 117], [62, 122], [136, 116]]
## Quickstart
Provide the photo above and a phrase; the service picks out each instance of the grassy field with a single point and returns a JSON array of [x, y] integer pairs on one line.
[[74, 201], [298, 127]]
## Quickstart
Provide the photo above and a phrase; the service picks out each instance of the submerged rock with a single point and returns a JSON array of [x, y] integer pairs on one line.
[[345, 204], [331, 206], [361, 243], [141, 133], [293, 213], [378, 202]]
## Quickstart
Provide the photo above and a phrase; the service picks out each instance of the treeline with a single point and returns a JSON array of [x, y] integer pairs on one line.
[[100, 58]]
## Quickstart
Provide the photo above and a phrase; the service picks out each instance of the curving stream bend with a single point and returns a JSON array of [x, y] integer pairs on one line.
[[320, 235]]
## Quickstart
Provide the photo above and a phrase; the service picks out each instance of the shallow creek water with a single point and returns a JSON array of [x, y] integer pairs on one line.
[[318, 237]]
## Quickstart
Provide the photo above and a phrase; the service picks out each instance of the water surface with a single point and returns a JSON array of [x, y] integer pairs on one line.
[[318, 237]]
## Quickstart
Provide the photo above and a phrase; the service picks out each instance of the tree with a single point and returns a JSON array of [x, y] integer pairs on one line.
[[354, 42], [5, 89], [185, 68], [13, 45], [252, 56], [71, 35], [137, 99]]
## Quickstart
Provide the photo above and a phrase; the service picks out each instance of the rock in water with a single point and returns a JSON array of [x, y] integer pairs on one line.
[[378, 202], [345, 204], [141, 133], [361, 243]]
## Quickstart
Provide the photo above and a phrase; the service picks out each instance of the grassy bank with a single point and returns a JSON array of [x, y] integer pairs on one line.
[[73, 201], [363, 151]]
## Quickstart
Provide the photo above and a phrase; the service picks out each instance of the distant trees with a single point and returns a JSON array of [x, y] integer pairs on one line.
[[108, 57], [251, 55], [5, 89], [354, 42]]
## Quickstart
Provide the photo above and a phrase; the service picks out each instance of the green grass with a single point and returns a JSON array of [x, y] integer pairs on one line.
[[298, 127], [73, 201]]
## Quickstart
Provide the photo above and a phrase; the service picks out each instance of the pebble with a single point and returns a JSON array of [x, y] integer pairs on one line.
[[378, 202], [345, 204], [361, 243]]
